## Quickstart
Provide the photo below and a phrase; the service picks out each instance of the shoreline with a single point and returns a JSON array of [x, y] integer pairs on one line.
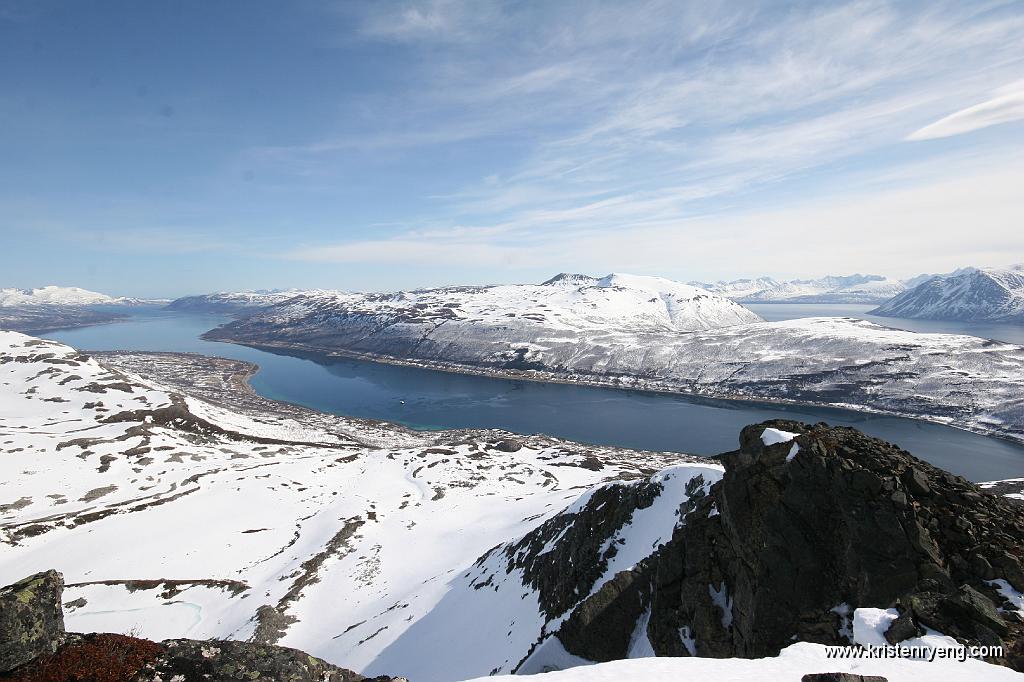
[[547, 377]]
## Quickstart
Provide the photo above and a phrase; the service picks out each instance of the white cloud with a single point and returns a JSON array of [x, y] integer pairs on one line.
[[1006, 107], [934, 226]]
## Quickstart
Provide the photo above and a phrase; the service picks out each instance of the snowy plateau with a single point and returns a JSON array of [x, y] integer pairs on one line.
[[655, 334], [178, 503]]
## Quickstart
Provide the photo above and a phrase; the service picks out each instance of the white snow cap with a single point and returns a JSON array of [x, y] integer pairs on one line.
[[772, 436]]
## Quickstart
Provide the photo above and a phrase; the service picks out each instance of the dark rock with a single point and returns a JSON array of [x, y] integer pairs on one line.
[[976, 606], [916, 482], [600, 628], [31, 619], [902, 628], [852, 520], [219, 660], [509, 445]]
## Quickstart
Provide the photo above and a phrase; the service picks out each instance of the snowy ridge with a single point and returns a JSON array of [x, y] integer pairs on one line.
[[985, 294], [565, 303], [61, 296], [831, 289], [237, 301]]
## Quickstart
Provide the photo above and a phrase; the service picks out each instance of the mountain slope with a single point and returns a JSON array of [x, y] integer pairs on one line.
[[566, 302], [244, 521], [60, 296], [986, 294], [234, 302], [848, 289]]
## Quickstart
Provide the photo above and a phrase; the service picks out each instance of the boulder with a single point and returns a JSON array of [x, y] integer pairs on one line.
[[31, 619]]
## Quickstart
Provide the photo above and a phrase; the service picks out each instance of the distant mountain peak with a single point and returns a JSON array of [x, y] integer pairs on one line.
[[855, 288], [52, 295], [571, 278], [969, 294]]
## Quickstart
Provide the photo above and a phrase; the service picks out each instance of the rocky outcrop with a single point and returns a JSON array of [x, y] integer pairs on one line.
[[31, 619], [35, 648], [229, 660], [796, 535]]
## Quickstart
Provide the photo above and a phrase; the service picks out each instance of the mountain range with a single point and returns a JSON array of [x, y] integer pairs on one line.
[[832, 289], [971, 295], [650, 333], [569, 302]]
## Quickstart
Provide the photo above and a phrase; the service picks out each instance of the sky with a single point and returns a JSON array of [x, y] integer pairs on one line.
[[167, 148]]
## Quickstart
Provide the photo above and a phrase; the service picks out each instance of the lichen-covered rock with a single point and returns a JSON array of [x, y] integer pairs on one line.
[[31, 619], [221, 660]]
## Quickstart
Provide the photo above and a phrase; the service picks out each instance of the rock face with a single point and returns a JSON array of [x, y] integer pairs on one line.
[[31, 619], [34, 646], [800, 531]]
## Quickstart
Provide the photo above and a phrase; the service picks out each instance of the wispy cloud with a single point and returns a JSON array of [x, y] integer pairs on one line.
[[1007, 106], [658, 119], [787, 240]]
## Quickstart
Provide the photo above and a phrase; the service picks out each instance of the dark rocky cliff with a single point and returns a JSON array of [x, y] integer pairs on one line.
[[780, 551]]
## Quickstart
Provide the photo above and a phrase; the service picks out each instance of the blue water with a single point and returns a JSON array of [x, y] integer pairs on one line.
[[440, 400]]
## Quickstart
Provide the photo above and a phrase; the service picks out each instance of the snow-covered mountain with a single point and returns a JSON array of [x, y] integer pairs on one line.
[[974, 294], [563, 303], [178, 504], [234, 302], [629, 338], [61, 296], [846, 289]]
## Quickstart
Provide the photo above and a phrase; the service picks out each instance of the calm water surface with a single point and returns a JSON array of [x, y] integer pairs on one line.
[[427, 399]]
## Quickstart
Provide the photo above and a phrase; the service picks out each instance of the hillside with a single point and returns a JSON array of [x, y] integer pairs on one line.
[[238, 517], [62, 296], [565, 302], [973, 295]]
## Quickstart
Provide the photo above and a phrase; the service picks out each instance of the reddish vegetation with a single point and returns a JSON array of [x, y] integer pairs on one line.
[[93, 658]]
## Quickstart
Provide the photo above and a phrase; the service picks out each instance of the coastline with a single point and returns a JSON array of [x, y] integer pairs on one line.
[[639, 385]]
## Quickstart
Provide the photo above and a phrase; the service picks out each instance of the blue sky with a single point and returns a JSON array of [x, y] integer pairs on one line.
[[164, 148]]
